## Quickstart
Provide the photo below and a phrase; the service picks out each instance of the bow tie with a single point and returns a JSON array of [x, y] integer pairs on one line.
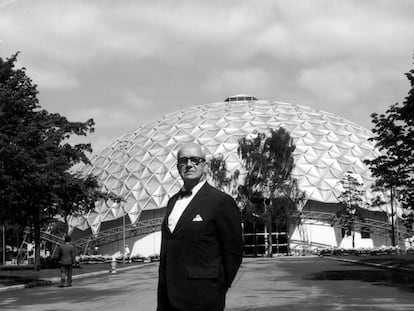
[[184, 193]]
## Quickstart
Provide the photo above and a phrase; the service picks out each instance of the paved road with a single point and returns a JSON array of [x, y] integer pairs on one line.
[[316, 284]]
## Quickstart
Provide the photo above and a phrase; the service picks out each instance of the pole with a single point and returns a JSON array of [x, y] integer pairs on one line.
[[392, 218], [123, 237], [4, 245]]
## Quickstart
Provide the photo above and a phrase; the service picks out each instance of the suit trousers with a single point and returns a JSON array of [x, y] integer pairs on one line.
[[66, 274], [164, 303]]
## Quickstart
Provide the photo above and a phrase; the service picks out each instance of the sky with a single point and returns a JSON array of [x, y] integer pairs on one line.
[[126, 63]]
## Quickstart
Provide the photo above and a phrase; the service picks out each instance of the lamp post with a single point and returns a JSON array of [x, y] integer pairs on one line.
[[123, 237], [4, 245], [123, 146]]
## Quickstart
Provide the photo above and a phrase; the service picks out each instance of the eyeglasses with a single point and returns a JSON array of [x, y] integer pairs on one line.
[[193, 160]]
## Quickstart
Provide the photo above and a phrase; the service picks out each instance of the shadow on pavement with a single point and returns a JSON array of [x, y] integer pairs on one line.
[[96, 288], [401, 280]]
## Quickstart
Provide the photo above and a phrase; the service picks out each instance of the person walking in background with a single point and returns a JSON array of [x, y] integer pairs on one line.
[[201, 245], [66, 254], [127, 254]]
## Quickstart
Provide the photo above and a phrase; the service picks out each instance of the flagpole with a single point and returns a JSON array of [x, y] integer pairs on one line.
[[4, 245]]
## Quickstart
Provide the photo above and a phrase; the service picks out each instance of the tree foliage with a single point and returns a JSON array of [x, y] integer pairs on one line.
[[351, 199], [36, 182], [394, 136], [269, 193], [220, 176]]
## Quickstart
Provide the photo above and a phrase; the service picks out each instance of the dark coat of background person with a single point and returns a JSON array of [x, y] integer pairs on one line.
[[66, 255], [200, 259]]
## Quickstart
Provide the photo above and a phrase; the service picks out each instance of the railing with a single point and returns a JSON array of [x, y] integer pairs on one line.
[[374, 226], [117, 233], [105, 236], [46, 236]]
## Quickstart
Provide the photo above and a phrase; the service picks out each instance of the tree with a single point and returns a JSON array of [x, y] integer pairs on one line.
[[394, 136], [220, 176], [36, 158], [268, 161], [352, 199]]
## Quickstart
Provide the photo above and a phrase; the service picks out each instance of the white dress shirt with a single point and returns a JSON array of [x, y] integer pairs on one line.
[[180, 205]]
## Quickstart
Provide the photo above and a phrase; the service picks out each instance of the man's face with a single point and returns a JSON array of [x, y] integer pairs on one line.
[[191, 163]]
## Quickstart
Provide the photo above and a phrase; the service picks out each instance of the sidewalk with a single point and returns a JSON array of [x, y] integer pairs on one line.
[[401, 262], [43, 279]]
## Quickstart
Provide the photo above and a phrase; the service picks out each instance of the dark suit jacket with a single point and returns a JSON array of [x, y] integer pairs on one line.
[[200, 259], [66, 254]]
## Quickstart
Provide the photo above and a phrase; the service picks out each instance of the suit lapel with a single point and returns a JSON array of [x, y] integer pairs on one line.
[[195, 203], [170, 207]]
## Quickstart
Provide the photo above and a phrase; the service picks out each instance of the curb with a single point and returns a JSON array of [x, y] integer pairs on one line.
[[377, 265], [55, 280]]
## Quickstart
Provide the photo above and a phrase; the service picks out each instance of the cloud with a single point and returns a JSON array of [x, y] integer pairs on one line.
[[129, 62], [250, 80], [52, 78]]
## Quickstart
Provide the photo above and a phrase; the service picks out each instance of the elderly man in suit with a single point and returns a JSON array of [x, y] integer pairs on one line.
[[202, 246]]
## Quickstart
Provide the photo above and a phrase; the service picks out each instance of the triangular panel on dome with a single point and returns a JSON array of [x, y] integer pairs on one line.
[[114, 167], [78, 222], [246, 115], [173, 187], [144, 202], [317, 195], [332, 164], [327, 196], [100, 161], [94, 221], [131, 181], [151, 204], [306, 150], [263, 118], [303, 168], [232, 158], [158, 196], [117, 211], [108, 216], [133, 214], [248, 127], [329, 183], [152, 184], [356, 151], [211, 146], [131, 208], [313, 180], [161, 171], [100, 207], [113, 184], [167, 178], [96, 171]]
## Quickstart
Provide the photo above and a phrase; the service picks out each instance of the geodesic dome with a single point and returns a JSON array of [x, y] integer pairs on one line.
[[141, 166]]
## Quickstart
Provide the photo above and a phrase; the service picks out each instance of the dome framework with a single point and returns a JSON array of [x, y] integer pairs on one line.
[[141, 166]]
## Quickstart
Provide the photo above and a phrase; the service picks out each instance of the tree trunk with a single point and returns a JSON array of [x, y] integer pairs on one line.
[[353, 239], [36, 227], [255, 238], [392, 218], [269, 238], [287, 238]]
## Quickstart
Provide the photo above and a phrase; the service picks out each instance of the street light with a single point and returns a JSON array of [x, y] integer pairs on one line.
[[4, 245], [123, 237], [123, 146]]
